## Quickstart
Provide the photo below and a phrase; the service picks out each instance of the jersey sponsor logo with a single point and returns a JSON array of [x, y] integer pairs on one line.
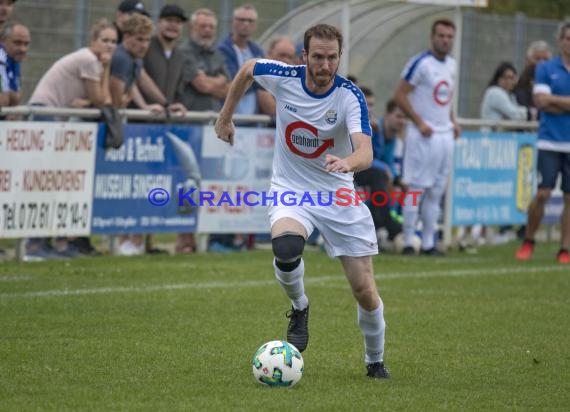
[[442, 93], [291, 108], [303, 140], [331, 116]]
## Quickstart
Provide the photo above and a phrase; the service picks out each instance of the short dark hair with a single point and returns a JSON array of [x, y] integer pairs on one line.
[[367, 91], [323, 31], [442, 22], [391, 105], [352, 78]]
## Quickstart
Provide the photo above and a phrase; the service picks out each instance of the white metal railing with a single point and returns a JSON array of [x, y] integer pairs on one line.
[[211, 116], [134, 114]]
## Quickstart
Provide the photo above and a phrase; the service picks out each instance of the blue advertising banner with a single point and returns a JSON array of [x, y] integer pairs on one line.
[[494, 178], [151, 165]]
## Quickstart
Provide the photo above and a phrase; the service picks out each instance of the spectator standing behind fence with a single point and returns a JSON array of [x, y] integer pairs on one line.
[[382, 175], [499, 102], [537, 52], [425, 93], [238, 48], [14, 44], [164, 61], [126, 9], [205, 77], [6, 9], [15, 41], [205, 81], [85, 74], [126, 65], [552, 98]]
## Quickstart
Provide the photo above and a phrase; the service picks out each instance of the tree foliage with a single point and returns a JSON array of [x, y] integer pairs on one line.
[[549, 9]]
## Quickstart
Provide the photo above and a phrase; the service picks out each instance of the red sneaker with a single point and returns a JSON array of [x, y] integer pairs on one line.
[[525, 251], [563, 256]]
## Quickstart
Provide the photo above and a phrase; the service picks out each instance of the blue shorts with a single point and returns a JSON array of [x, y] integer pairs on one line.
[[549, 165]]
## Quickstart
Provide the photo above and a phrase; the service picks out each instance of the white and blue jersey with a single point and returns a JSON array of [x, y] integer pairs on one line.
[[9, 73], [310, 126], [552, 77], [433, 80]]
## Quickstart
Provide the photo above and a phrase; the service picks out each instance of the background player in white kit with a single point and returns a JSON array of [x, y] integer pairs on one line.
[[425, 93], [323, 136]]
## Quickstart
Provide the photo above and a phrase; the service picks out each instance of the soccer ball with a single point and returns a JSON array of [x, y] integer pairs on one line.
[[398, 244], [278, 364]]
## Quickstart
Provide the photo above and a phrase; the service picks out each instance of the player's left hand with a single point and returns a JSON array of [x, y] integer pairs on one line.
[[336, 164]]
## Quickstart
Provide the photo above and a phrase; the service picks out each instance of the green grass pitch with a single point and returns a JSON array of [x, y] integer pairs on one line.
[[158, 333]]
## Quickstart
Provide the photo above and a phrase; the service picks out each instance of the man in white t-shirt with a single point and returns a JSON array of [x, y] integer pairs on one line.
[[425, 93], [323, 136]]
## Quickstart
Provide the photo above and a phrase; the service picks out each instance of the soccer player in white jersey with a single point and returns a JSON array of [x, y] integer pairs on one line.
[[322, 137], [425, 93]]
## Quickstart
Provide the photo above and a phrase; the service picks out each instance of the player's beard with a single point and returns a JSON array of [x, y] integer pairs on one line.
[[324, 78]]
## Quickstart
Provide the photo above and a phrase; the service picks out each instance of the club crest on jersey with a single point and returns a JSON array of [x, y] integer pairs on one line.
[[331, 116]]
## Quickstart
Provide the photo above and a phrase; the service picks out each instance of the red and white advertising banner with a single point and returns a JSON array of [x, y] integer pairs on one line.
[[46, 178]]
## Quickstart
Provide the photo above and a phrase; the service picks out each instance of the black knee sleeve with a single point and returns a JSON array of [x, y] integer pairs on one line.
[[288, 250]]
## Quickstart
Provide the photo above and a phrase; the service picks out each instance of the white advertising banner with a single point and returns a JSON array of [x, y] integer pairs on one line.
[[46, 178], [469, 3], [235, 180]]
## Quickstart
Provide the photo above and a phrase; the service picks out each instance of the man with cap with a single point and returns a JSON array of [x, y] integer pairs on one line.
[[125, 9], [164, 61], [147, 86]]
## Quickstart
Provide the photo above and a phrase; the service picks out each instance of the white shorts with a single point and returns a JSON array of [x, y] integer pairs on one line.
[[346, 230], [427, 160]]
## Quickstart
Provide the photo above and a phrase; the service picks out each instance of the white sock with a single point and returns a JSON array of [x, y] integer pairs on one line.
[[292, 284], [373, 327], [410, 213], [429, 215]]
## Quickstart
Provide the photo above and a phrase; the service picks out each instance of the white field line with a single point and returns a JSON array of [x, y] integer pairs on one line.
[[268, 282], [15, 278]]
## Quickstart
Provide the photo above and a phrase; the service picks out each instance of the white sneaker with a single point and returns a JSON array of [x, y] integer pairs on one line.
[[128, 248]]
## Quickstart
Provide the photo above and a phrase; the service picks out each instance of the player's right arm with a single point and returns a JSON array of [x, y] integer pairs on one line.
[[224, 126], [543, 98], [403, 89]]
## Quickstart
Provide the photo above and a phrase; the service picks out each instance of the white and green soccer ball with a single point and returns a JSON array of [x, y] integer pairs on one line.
[[278, 364]]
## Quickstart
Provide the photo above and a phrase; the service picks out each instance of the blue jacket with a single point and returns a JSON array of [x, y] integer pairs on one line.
[[232, 62], [383, 150]]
